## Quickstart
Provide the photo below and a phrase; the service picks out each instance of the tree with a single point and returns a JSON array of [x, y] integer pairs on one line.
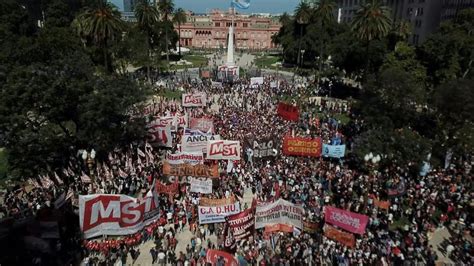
[[372, 21], [404, 57], [302, 16], [400, 32], [166, 7], [147, 18], [101, 24], [179, 18], [324, 15]]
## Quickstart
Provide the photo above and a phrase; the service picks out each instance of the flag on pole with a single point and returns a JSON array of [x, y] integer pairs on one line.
[[242, 4]]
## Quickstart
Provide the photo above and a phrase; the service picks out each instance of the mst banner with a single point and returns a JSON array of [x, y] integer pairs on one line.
[[173, 121], [350, 221], [159, 135], [288, 111], [192, 158], [265, 147], [194, 99], [199, 170], [104, 214], [279, 212], [334, 151], [298, 146], [223, 150], [342, 237], [196, 140], [201, 186], [217, 214], [243, 223], [203, 124]]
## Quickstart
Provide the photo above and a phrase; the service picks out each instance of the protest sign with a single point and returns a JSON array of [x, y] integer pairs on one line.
[[278, 228], [201, 186], [310, 227], [334, 151], [105, 214], [192, 158], [205, 125], [196, 140], [172, 188], [342, 237], [256, 81], [203, 201], [298, 146], [350, 221], [288, 111], [199, 170], [217, 214], [159, 135], [223, 150], [265, 147], [212, 256], [194, 99], [243, 223], [280, 211]]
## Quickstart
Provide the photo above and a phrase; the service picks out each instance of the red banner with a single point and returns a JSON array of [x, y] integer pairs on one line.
[[167, 189], [243, 223], [310, 227], [199, 170], [213, 255], [350, 221], [298, 146], [344, 238], [288, 111]]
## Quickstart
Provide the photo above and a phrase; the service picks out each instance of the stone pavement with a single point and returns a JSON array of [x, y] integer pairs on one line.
[[437, 238]]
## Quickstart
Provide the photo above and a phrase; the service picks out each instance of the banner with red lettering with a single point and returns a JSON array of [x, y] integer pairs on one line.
[[243, 223], [288, 111], [213, 255], [342, 237], [174, 121], [159, 135], [217, 214], [298, 146], [198, 170], [223, 150], [279, 212], [105, 214], [203, 124], [194, 99], [278, 228], [172, 188], [192, 158], [350, 221]]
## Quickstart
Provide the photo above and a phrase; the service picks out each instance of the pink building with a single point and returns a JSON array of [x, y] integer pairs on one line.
[[211, 30]]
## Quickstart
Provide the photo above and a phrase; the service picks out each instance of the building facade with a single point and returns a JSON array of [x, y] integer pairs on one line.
[[251, 32]]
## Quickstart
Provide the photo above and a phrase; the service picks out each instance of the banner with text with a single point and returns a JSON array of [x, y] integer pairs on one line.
[[171, 189], [203, 201], [342, 237], [265, 147], [174, 121], [310, 227], [201, 186], [159, 135], [217, 214], [243, 223], [298, 146], [279, 212], [288, 111], [104, 214], [196, 140], [194, 99], [213, 255], [192, 158], [223, 150], [203, 124], [199, 170], [334, 151], [350, 221]]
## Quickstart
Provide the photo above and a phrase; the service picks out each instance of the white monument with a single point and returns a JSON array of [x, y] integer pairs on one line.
[[229, 71]]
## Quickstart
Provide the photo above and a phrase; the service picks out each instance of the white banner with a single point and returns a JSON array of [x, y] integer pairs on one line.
[[106, 214], [201, 186], [196, 140], [173, 121], [192, 158], [279, 212], [159, 135], [217, 214], [194, 99], [223, 150], [256, 81]]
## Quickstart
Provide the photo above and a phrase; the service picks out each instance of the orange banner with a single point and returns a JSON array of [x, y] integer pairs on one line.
[[302, 146], [310, 227], [344, 238], [278, 228], [383, 204], [198, 170], [216, 202]]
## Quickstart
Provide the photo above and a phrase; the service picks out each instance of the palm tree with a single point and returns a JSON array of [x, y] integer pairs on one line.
[[147, 17], [179, 18], [101, 23], [324, 15], [166, 7], [371, 21], [302, 16]]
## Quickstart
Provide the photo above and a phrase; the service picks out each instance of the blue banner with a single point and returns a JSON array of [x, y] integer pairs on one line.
[[242, 4], [334, 151]]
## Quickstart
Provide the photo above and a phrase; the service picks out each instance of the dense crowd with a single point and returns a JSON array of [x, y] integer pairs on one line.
[[397, 234]]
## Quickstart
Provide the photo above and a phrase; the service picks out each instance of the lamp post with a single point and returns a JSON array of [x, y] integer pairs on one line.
[[89, 160], [302, 57], [372, 159]]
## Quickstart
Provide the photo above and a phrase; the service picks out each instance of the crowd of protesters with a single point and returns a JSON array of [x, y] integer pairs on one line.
[[397, 234]]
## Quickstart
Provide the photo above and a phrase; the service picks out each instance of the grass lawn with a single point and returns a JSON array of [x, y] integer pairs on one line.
[[266, 61]]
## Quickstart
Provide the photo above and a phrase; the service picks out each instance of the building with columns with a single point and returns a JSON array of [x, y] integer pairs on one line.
[[251, 32]]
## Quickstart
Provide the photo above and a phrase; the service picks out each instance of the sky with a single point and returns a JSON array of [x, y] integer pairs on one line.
[[256, 6]]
